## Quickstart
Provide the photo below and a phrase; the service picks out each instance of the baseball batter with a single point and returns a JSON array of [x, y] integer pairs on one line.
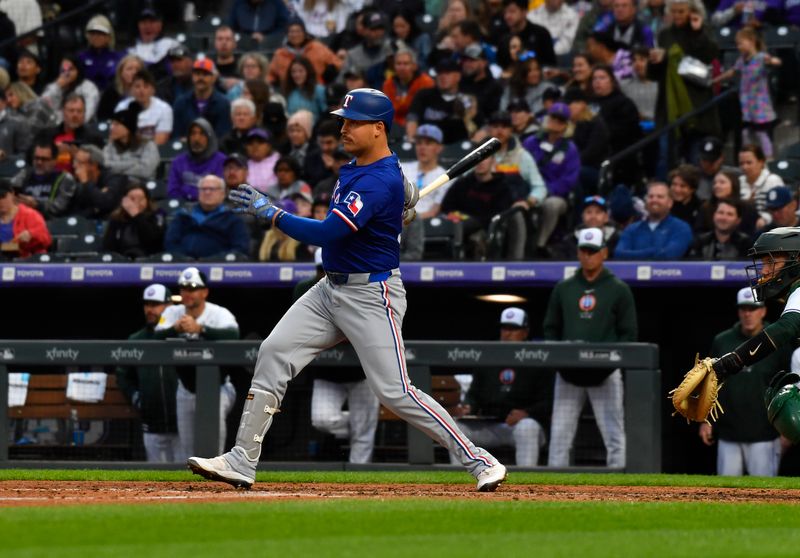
[[362, 299]]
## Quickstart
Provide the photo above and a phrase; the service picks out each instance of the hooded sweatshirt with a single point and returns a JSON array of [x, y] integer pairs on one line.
[[188, 168]]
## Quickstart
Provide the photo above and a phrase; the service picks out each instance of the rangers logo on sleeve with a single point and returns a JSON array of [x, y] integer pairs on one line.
[[354, 203]]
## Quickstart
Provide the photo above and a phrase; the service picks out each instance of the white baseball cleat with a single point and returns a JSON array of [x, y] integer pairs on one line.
[[491, 478], [218, 469]]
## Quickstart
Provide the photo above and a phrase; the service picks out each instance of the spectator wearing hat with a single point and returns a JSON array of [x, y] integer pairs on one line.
[[202, 158], [369, 56], [527, 83], [442, 105], [300, 42], [243, 119], [591, 306], [477, 80], [71, 80], [259, 19], [404, 84], [683, 182], [179, 81], [533, 37], [156, 117], [746, 440], [725, 241], [197, 319], [135, 228], [523, 122], [782, 206], [590, 136], [659, 236], [261, 159], [302, 90], [594, 214], [15, 133], [234, 172], [99, 190], [29, 70], [511, 405], [151, 389], [121, 88], [100, 60], [209, 228], [204, 101], [42, 186], [151, 45], [426, 168], [560, 20], [23, 231], [711, 162], [126, 152], [559, 163]]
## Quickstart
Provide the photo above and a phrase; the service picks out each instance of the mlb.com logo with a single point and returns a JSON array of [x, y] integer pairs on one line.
[[354, 203]]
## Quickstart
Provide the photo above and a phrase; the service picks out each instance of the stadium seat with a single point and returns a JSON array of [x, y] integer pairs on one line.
[[200, 34], [227, 257], [427, 23], [11, 166], [87, 244], [452, 152], [157, 189], [788, 169], [726, 38], [168, 151], [780, 37], [444, 239], [404, 150], [165, 257], [42, 258], [71, 227], [791, 152]]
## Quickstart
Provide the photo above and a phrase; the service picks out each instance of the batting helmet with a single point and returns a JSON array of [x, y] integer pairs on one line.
[[367, 104]]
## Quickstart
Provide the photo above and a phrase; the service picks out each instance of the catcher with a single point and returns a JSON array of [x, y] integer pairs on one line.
[[774, 275]]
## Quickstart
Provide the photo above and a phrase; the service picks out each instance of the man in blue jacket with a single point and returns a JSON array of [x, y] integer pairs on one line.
[[259, 17], [659, 237], [209, 228]]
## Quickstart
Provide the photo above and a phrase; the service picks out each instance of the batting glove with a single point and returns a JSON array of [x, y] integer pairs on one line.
[[251, 201]]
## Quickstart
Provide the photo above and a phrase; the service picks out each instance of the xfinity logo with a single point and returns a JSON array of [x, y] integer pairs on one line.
[[251, 354], [463, 354], [524, 354], [121, 353], [332, 354], [61, 354]]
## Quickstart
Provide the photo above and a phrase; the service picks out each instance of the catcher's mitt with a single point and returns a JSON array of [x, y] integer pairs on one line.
[[696, 397]]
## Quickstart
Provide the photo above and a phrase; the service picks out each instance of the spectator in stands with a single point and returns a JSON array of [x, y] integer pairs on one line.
[[277, 246], [99, 61], [204, 101], [658, 237], [209, 228], [179, 81], [782, 205], [151, 45], [155, 119], [197, 319], [515, 402], [725, 185], [72, 131], [43, 187], [453, 12], [299, 131], [121, 88], [22, 229], [261, 159], [603, 49], [747, 439], [270, 108], [475, 199], [560, 20], [202, 158], [259, 18], [225, 56], [653, 14], [461, 35], [299, 43], [404, 28], [151, 389], [523, 123], [252, 65], [641, 90], [590, 135], [243, 119], [756, 180], [99, 191], [712, 162], [135, 228], [324, 188], [403, 85], [369, 56], [426, 168], [526, 83], [591, 306], [322, 18], [685, 36], [594, 215], [600, 16], [301, 89], [29, 70], [15, 134], [234, 171], [725, 241], [288, 182], [736, 13], [477, 80], [126, 152], [626, 28], [559, 163], [683, 182], [70, 80], [23, 102], [442, 105], [581, 73], [533, 37]]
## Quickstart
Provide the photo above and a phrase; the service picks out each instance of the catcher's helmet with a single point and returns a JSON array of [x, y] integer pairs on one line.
[[782, 240], [367, 104]]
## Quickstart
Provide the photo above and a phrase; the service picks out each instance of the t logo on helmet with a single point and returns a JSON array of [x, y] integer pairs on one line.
[[347, 99]]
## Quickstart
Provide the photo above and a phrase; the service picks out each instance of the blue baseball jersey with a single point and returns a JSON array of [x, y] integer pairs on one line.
[[369, 199]]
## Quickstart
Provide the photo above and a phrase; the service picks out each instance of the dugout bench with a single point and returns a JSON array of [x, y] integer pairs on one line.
[[643, 398]]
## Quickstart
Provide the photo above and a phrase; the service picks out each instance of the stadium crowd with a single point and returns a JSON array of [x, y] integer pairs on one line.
[[127, 151]]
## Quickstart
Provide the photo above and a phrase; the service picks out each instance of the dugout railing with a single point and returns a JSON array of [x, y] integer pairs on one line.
[[639, 361]]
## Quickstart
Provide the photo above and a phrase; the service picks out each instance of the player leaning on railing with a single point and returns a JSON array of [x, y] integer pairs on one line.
[[774, 275]]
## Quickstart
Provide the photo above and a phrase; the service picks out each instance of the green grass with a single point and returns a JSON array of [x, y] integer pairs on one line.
[[414, 527]]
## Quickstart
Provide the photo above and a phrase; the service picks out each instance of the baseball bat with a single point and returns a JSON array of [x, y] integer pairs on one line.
[[487, 148]]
